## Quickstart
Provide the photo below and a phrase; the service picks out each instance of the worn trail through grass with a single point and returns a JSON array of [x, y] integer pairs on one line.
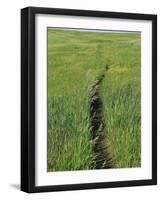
[[77, 82], [103, 158]]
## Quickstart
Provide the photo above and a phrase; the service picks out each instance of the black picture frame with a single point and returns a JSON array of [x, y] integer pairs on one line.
[[28, 98]]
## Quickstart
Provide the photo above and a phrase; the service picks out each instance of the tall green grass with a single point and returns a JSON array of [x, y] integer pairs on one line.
[[122, 103], [122, 114], [75, 60], [68, 134]]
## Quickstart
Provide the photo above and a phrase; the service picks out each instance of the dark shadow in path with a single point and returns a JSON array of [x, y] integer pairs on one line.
[[103, 156]]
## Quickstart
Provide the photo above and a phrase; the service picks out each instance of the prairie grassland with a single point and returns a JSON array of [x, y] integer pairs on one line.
[[75, 60]]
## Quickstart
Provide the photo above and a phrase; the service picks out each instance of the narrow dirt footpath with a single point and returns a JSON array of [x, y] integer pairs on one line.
[[103, 158]]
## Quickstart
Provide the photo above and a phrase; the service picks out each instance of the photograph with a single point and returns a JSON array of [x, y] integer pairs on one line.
[[93, 99], [89, 99]]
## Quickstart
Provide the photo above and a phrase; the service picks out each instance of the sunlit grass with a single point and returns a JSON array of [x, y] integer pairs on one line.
[[75, 60]]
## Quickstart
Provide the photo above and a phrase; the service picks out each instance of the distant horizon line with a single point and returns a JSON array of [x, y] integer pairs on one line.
[[94, 30]]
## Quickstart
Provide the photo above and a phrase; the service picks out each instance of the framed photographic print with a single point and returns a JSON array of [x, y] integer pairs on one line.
[[88, 99]]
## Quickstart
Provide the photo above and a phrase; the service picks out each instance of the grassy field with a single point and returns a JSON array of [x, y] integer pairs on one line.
[[75, 60]]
